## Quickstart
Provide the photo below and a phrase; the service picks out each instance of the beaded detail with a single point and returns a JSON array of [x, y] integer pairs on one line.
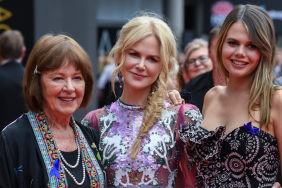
[[195, 115], [157, 155], [126, 106], [50, 154]]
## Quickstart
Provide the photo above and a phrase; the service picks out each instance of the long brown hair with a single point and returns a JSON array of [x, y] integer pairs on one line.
[[261, 32]]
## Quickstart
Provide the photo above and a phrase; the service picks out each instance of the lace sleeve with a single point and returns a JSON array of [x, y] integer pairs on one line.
[[188, 114]]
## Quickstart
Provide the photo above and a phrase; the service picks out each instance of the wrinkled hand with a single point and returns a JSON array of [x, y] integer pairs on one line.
[[276, 185], [174, 97]]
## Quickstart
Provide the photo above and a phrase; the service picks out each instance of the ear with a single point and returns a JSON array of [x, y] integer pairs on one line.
[[23, 52]]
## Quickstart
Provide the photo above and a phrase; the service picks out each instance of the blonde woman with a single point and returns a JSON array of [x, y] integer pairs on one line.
[[197, 59], [240, 138], [140, 144]]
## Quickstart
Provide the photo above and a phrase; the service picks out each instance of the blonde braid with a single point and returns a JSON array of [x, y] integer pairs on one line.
[[153, 111]]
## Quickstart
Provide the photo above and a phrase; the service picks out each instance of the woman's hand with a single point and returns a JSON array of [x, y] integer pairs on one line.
[[276, 185], [174, 97]]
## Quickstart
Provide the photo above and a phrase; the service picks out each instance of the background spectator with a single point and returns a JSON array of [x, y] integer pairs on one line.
[[106, 95], [195, 90], [12, 51], [197, 59]]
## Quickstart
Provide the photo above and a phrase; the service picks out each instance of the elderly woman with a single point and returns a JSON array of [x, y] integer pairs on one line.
[[46, 147], [197, 59]]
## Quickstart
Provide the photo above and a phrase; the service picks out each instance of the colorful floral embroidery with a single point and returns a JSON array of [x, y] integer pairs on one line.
[[50, 154]]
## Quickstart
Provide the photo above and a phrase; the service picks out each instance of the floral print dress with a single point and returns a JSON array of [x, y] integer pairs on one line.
[[161, 154]]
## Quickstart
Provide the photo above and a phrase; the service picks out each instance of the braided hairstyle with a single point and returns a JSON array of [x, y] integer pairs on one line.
[[133, 31]]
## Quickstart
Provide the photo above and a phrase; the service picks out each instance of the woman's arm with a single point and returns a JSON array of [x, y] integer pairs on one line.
[[7, 172], [276, 115]]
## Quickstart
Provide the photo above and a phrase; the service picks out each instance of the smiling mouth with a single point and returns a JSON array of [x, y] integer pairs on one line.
[[66, 99], [138, 75], [239, 63]]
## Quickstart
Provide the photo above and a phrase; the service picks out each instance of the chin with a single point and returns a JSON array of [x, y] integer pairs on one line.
[[66, 111]]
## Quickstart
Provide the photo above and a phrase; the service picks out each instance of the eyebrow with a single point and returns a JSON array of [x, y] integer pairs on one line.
[[62, 74], [155, 56]]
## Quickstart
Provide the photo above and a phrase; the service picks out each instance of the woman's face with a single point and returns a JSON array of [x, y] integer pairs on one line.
[[142, 64], [239, 55], [198, 62], [63, 90]]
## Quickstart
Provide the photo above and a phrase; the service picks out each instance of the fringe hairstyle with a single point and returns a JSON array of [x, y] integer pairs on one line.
[[261, 31], [133, 31]]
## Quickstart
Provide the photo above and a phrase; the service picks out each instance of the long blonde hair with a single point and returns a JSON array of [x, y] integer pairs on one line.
[[261, 31], [133, 31]]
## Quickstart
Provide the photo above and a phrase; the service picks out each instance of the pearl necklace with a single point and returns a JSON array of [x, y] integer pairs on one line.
[[74, 166], [77, 161]]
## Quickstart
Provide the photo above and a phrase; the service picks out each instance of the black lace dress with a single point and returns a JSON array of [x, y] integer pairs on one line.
[[243, 158]]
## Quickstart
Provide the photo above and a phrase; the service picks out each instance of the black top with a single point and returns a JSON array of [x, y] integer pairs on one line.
[[11, 92], [241, 158], [21, 162], [77, 172], [195, 90]]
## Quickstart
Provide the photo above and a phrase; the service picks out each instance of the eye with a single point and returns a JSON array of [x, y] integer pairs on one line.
[[203, 57], [78, 78], [252, 46], [133, 54], [58, 78], [232, 43], [152, 59]]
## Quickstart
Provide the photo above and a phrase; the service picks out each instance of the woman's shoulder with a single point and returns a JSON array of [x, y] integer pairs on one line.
[[92, 118], [213, 96], [17, 126], [276, 101], [95, 113], [215, 91], [17, 130]]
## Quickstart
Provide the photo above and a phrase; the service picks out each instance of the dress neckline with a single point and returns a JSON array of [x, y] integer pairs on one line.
[[260, 130], [128, 106]]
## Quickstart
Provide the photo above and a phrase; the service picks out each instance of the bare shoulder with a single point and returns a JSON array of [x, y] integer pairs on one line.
[[276, 103], [212, 96], [214, 92]]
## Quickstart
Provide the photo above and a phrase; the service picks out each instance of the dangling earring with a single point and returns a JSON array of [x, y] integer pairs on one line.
[[157, 87], [120, 78]]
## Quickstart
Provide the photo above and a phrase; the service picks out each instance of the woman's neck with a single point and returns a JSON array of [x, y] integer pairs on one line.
[[56, 120], [135, 97], [239, 85]]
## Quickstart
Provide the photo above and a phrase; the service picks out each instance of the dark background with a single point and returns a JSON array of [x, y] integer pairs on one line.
[[22, 19]]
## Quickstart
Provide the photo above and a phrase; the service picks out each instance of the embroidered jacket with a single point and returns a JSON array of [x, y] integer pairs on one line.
[[28, 153]]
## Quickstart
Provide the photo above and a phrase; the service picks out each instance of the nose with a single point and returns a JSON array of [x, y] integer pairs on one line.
[[197, 62], [240, 51], [141, 64], [69, 85]]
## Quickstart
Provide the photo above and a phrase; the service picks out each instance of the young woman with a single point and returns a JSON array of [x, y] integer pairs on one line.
[[140, 144], [238, 142]]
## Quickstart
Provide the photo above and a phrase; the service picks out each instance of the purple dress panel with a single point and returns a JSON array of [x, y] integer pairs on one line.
[[161, 152]]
